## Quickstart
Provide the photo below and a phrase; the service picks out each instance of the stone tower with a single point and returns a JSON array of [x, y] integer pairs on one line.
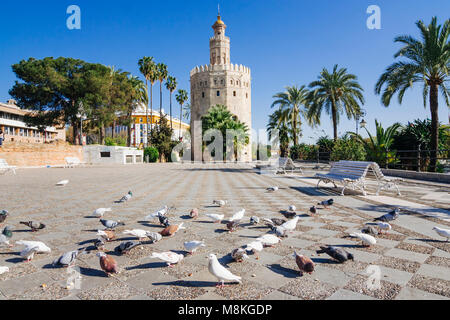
[[220, 82]]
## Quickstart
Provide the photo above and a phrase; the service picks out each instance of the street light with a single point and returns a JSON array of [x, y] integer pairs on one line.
[[363, 123], [362, 113]]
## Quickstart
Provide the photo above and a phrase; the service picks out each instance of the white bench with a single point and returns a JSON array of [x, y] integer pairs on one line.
[[72, 162], [281, 165], [353, 174], [5, 167]]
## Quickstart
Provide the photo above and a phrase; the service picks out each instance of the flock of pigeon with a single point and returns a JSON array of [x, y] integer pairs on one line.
[[279, 229]]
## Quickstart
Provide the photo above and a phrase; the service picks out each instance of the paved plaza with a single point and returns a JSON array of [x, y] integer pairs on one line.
[[414, 262]]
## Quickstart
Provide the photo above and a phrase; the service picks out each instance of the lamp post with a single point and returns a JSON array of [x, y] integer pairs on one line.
[[82, 117], [363, 123]]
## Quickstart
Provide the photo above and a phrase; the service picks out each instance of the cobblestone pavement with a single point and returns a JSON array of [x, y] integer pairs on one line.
[[413, 262]]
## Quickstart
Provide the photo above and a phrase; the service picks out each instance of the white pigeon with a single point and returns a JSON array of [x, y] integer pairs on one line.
[[170, 257], [292, 208], [41, 247], [272, 189], [100, 212], [238, 215], [220, 203], [62, 183], [139, 233], [268, 240], [4, 270], [193, 246], [384, 226], [291, 224], [216, 217], [28, 253], [443, 232], [255, 247], [220, 272], [367, 239], [157, 214]]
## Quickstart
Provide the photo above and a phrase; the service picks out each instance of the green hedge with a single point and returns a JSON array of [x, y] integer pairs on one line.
[[152, 154]]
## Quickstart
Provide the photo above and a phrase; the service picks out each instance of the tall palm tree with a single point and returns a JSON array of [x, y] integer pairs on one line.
[[336, 92], [171, 85], [428, 63], [291, 102], [278, 121], [181, 97], [162, 73], [148, 70]]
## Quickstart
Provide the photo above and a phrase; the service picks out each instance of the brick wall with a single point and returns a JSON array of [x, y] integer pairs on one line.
[[35, 155]]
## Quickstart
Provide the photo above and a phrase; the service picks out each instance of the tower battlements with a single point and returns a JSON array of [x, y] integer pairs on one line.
[[222, 67]]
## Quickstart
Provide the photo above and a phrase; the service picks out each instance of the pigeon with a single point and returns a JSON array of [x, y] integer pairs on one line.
[[220, 203], [5, 236], [289, 214], [336, 253], [443, 232], [164, 221], [42, 247], [280, 231], [126, 246], [100, 212], [268, 240], [194, 213], [292, 208], [255, 247], [239, 255], [291, 224], [63, 183], [108, 264], [111, 224], [238, 215], [313, 210], [220, 272], [391, 216], [68, 258], [28, 253], [370, 230], [170, 231], [126, 197], [367, 239], [217, 218], [193, 246], [35, 226], [100, 244], [274, 222], [384, 226], [326, 203], [3, 215], [254, 220], [304, 263], [158, 214], [154, 236], [139, 233], [272, 189], [171, 258], [233, 225], [106, 234], [4, 270]]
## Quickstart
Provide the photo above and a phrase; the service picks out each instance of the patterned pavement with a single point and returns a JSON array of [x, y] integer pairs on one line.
[[412, 261]]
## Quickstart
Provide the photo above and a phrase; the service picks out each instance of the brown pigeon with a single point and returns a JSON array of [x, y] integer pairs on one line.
[[35, 226], [107, 263], [170, 231], [233, 225], [107, 235], [304, 263], [194, 213]]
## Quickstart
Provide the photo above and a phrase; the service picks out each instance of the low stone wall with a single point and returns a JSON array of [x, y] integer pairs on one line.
[[426, 176], [38, 155]]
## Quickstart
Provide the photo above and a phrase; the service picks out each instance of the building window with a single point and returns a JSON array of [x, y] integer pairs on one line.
[[218, 93], [203, 94], [221, 81], [231, 82], [234, 93], [215, 82]]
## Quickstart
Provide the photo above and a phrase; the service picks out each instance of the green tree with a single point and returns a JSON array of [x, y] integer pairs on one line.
[[148, 69], [171, 85], [181, 97], [336, 92], [428, 62], [162, 139], [290, 102], [278, 122], [348, 149], [162, 75]]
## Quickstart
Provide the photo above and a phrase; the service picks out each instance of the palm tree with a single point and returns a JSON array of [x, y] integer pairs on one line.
[[171, 85], [336, 92], [187, 112], [162, 75], [148, 70], [378, 148], [428, 63], [291, 102], [279, 121], [181, 97]]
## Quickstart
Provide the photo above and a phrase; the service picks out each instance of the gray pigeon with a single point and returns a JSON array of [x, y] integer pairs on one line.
[[154, 236], [280, 231], [336, 253], [5, 236], [274, 222], [126, 246], [254, 220], [100, 243], [111, 224], [3, 215], [126, 197], [370, 230], [391, 216], [326, 203], [163, 220], [35, 226], [68, 258], [313, 210]]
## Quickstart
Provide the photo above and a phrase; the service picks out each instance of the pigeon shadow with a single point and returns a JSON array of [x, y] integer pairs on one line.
[[187, 284], [324, 260], [150, 225], [91, 217], [86, 242], [431, 240], [258, 228], [89, 272], [92, 230], [249, 237], [287, 273], [204, 222], [186, 217], [22, 231], [150, 265], [220, 231], [209, 207], [15, 260]]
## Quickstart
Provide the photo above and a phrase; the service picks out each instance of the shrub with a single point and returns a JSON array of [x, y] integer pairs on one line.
[[152, 154], [304, 152], [113, 142], [348, 149]]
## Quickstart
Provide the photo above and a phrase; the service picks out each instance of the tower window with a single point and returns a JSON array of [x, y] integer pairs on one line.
[[246, 95], [221, 81], [203, 94], [234, 93], [218, 93], [231, 82]]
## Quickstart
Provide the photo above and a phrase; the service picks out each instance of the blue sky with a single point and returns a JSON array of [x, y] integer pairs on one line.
[[284, 42]]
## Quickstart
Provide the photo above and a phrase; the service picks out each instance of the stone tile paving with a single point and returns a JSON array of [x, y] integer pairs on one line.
[[414, 263]]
